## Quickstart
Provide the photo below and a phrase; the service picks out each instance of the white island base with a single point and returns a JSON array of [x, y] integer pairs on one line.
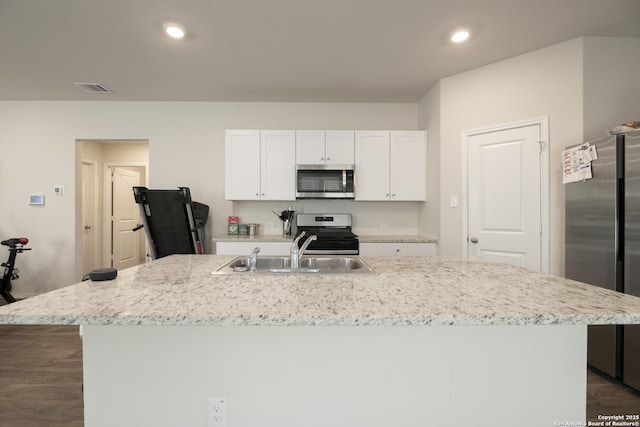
[[338, 376]]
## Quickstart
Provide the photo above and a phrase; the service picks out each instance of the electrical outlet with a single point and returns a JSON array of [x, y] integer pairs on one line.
[[384, 226], [217, 412]]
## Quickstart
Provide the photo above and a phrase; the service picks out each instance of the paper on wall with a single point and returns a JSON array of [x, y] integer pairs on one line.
[[576, 163]]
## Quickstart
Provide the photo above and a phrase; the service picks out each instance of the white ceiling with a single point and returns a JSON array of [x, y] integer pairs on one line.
[[277, 50]]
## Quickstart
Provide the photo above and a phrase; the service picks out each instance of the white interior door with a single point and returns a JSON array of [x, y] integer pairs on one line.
[[126, 244], [504, 196]]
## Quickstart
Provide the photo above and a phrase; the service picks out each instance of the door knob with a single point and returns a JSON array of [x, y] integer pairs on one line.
[[474, 240], [87, 227]]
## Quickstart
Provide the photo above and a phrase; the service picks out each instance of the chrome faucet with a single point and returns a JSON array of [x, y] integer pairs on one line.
[[296, 253], [253, 259]]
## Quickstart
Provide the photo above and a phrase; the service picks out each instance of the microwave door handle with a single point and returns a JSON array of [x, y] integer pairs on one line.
[[344, 180]]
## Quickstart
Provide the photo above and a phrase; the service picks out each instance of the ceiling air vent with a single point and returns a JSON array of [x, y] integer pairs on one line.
[[93, 87]]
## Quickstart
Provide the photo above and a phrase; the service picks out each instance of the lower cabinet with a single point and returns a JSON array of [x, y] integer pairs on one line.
[[245, 248], [390, 249], [282, 248]]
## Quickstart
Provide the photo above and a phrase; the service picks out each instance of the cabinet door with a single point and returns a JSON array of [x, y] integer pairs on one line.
[[372, 165], [398, 249], [242, 165], [339, 147], [408, 166], [310, 147], [245, 248], [278, 165]]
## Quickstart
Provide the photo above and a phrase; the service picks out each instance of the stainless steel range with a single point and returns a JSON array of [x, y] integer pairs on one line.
[[334, 234]]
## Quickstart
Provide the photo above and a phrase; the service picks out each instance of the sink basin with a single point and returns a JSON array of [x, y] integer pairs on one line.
[[282, 264]]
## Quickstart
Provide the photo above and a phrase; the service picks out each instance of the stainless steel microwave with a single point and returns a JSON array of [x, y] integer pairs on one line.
[[325, 182]]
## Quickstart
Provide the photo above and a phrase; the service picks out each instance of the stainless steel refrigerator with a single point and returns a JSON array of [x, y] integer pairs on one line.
[[602, 220]]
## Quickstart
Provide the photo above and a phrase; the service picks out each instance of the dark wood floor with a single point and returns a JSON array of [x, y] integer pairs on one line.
[[40, 376], [609, 397], [41, 380]]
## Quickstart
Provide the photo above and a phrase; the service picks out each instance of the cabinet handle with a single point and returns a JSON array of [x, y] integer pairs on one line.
[[328, 158], [321, 158]]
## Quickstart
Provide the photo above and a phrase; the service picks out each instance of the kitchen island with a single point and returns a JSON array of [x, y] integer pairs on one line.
[[424, 341]]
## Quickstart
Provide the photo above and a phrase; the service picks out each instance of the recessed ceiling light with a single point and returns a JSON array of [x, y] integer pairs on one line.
[[173, 30], [460, 36]]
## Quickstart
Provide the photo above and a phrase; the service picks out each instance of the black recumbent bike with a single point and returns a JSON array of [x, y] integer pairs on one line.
[[16, 246]]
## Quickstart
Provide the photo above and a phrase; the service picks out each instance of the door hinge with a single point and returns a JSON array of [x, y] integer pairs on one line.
[[541, 146]]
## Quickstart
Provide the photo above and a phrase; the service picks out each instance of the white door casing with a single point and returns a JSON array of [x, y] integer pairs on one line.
[[89, 223], [126, 244], [507, 194]]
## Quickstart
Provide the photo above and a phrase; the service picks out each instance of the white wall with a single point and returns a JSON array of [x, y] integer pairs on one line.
[[584, 86], [401, 217], [611, 83], [546, 82], [186, 148], [429, 118]]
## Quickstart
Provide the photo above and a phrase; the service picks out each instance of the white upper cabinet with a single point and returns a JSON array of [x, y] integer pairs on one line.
[[318, 147], [310, 147], [391, 165], [278, 165], [339, 147], [408, 166], [259, 165], [242, 164], [372, 165]]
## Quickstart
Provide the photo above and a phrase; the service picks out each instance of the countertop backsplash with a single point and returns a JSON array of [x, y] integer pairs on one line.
[[369, 218]]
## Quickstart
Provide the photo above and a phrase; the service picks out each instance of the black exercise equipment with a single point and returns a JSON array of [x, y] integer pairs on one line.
[[173, 223], [16, 246]]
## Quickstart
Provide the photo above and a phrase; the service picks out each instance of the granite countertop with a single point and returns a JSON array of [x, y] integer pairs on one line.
[[181, 290], [363, 238]]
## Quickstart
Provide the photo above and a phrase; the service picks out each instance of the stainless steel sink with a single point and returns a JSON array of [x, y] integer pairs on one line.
[[319, 264]]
